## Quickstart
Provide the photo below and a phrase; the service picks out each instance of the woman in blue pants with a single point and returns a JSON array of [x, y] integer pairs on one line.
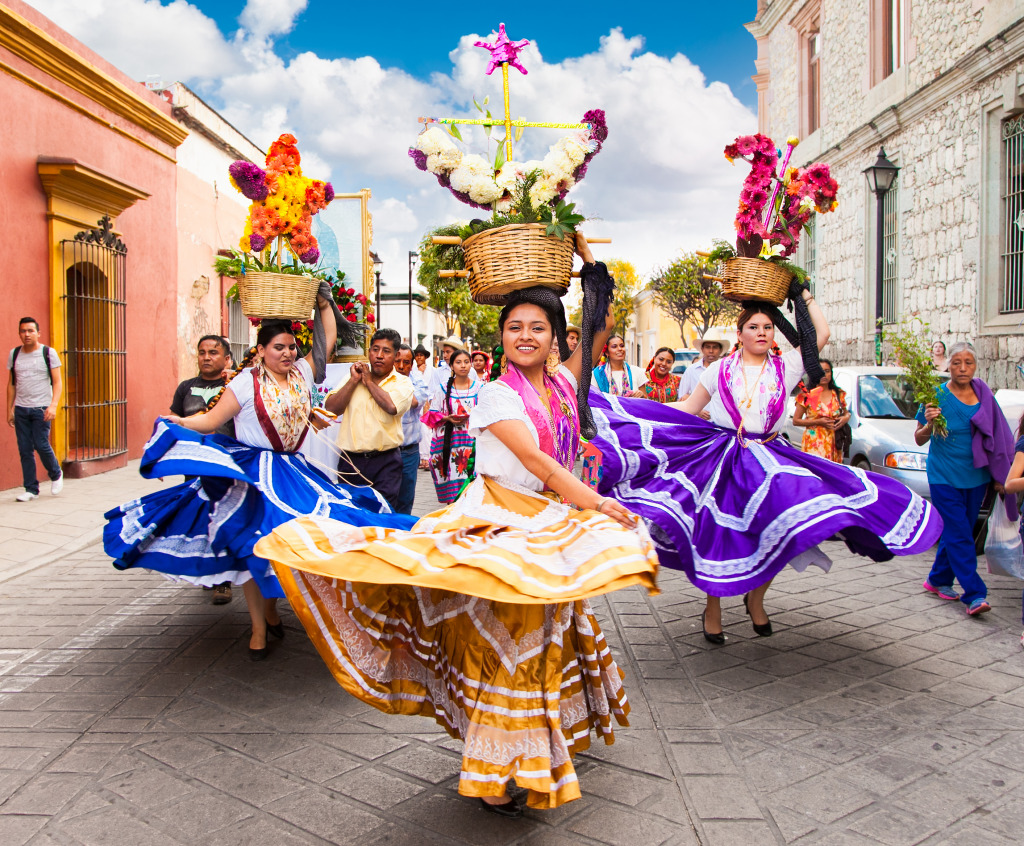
[[977, 450]]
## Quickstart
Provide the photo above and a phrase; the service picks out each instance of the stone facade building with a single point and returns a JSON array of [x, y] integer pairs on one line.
[[938, 84]]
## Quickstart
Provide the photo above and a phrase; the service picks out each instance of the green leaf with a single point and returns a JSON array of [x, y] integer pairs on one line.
[[486, 101], [454, 130], [519, 132], [499, 159], [479, 108], [487, 130]]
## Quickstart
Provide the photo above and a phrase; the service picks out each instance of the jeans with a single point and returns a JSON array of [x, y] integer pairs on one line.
[[410, 467], [956, 556], [33, 433]]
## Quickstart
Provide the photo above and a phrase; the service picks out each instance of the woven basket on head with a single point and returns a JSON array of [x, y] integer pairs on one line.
[[520, 255], [277, 295], [755, 279]]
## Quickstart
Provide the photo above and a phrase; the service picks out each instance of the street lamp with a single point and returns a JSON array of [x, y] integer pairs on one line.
[[413, 258], [377, 266], [880, 177]]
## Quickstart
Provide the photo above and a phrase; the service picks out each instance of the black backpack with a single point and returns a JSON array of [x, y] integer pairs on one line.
[[46, 361]]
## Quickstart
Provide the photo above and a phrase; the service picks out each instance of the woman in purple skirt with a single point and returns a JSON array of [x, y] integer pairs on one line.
[[730, 503]]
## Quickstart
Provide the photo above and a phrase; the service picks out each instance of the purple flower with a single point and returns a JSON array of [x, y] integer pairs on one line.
[[328, 193], [310, 256], [258, 242], [249, 179], [599, 128], [419, 157]]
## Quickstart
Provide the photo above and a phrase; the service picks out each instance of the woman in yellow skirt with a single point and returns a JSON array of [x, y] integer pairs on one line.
[[479, 615]]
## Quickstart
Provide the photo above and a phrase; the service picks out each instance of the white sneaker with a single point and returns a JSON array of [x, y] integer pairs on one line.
[[57, 485], [25, 496]]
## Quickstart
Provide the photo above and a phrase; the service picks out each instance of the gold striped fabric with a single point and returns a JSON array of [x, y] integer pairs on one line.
[[495, 543], [478, 617], [522, 685]]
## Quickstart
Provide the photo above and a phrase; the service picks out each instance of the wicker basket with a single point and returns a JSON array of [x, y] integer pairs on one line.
[[755, 279], [520, 255], [277, 295]]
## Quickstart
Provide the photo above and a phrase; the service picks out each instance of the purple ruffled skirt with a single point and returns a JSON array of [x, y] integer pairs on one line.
[[731, 517]]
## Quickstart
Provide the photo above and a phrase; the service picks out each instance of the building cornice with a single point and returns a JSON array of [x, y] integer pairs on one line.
[[773, 15], [75, 192], [29, 43], [988, 59]]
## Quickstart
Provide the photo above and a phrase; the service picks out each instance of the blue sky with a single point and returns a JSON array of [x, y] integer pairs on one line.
[[417, 36], [349, 81]]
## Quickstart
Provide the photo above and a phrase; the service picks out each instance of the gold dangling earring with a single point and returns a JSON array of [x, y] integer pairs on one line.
[[504, 364], [553, 362]]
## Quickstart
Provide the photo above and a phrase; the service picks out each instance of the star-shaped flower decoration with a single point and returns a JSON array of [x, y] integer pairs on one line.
[[503, 50]]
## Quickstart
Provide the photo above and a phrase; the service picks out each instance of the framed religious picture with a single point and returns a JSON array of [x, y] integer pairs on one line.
[[345, 232]]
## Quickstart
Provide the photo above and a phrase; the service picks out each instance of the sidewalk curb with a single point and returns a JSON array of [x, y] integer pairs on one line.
[[76, 545]]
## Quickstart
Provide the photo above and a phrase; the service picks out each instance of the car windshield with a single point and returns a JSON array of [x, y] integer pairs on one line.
[[886, 396]]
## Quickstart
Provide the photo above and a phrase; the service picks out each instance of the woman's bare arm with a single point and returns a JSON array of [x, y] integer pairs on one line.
[[210, 421], [515, 435]]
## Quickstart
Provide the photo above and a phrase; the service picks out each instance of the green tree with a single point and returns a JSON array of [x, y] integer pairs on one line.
[[627, 286], [688, 292], [450, 296]]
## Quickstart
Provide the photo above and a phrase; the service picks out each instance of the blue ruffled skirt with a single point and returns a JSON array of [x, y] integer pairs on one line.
[[731, 517], [203, 530]]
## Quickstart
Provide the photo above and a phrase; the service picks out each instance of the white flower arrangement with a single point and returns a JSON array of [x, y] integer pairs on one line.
[[472, 176]]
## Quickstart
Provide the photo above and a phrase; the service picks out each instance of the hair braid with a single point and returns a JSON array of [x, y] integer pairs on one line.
[[247, 359]]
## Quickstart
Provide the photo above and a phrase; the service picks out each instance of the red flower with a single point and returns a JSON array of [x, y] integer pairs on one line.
[[369, 317], [351, 318], [350, 291]]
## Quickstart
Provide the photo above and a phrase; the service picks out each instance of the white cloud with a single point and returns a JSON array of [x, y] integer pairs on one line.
[[660, 185], [145, 39], [265, 18]]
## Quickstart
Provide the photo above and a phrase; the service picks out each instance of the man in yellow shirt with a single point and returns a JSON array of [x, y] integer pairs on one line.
[[371, 404]]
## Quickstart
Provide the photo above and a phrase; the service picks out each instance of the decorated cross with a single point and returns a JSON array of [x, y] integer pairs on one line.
[[504, 52]]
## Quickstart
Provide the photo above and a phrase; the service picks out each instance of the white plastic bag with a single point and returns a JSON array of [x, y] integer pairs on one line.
[[1004, 550]]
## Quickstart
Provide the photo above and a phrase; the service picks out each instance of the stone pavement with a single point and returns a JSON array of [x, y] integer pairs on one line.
[[130, 714]]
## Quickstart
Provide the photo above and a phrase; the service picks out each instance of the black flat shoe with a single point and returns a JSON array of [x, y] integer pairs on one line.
[[760, 629], [258, 654], [511, 809], [717, 638], [277, 630]]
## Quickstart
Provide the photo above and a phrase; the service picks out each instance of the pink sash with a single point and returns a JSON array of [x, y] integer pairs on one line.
[[559, 432], [263, 416], [776, 386]]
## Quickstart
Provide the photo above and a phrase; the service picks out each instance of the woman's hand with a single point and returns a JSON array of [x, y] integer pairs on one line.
[[999, 487], [173, 418], [931, 412], [637, 394], [619, 513], [583, 249]]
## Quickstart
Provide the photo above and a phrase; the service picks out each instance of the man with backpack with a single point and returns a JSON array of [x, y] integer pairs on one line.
[[33, 393]]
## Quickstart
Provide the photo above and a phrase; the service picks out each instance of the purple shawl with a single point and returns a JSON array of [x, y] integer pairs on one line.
[[992, 440]]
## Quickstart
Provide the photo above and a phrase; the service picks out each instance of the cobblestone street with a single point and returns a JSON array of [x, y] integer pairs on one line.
[[131, 714]]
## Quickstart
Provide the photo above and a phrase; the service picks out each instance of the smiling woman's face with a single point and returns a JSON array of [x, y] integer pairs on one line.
[[527, 336], [616, 350]]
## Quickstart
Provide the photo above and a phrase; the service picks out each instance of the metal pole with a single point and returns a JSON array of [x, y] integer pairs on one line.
[[879, 270], [411, 254]]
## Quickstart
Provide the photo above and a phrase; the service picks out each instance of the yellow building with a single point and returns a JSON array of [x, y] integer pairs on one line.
[[653, 328]]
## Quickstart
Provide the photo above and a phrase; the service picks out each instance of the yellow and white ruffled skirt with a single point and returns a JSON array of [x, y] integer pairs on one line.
[[479, 617]]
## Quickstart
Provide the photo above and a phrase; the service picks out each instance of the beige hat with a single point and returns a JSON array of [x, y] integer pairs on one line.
[[571, 328], [454, 343], [714, 336]]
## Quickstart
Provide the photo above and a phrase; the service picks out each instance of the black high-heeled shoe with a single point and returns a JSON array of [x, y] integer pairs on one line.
[[258, 654], [276, 629], [511, 809], [760, 629], [717, 638]]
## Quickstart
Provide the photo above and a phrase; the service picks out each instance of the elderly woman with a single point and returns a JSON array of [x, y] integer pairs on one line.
[[976, 450]]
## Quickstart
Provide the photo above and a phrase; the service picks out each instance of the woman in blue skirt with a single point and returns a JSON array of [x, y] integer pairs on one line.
[[203, 531]]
